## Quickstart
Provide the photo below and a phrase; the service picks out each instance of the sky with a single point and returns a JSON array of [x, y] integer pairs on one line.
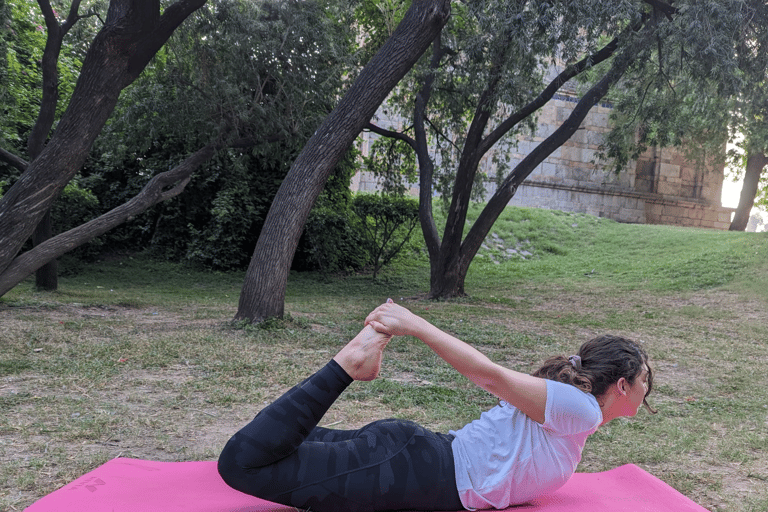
[[730, 196], [731, 191]]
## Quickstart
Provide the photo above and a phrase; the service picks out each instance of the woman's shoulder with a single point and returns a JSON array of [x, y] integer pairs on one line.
[[571, 410], [562, 387]]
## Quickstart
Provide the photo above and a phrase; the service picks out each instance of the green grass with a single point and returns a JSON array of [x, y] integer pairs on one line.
[[135, 357], [579, 250]]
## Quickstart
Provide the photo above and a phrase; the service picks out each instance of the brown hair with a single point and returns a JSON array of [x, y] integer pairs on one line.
[[604, 360]]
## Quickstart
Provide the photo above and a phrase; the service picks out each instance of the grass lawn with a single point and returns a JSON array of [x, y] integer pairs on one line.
[[139, 358]]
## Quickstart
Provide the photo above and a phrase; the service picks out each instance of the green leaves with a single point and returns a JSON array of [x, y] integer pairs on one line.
[[704, 86], [259, 76], [373, 231], [387, 223], [23, 35]]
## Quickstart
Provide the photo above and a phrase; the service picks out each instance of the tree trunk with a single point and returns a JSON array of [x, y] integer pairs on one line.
[[263, 293], [132, 34], [421, 147], [756, 162], [447, 275], [47, 276], [449, 270]]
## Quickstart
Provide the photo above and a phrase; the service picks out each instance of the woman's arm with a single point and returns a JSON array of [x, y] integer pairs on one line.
[[527, 393]]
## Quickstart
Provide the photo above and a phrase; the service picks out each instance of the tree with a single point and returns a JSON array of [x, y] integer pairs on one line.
[[133, 32], [32, 97], [482, 85], [252, 77], [386, 223], [749, 123], [707, 89], [260, 74], [263, 293]]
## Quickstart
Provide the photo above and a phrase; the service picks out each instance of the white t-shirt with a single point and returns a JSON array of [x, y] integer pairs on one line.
[[505, 458]]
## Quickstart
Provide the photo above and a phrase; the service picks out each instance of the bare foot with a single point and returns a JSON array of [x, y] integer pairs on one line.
[[361, 357]]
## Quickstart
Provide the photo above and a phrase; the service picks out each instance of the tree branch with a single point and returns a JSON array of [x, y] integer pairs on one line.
[[547, 94], [72, 17], [50, 92], [155, 191], [440, 134], [148, 46], [9, 158], [48, 15], [508, 187], [391, 134]]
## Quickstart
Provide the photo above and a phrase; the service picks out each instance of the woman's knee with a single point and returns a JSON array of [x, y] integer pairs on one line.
[[229, 470], [239, 467]]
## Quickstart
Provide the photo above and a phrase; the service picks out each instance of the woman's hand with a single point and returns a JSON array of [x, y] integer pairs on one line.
[[394, 320]]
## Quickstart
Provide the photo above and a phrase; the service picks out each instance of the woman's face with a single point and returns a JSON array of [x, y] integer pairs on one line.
[[636, 392]]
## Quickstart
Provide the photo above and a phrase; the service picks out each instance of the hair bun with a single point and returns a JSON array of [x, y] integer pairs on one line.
[[576, 362]]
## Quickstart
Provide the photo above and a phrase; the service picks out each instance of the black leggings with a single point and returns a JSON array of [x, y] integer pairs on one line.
[[283, 456]]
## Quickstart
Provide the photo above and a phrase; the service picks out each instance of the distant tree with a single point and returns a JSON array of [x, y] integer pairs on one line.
[[482, 85], [706, 89]]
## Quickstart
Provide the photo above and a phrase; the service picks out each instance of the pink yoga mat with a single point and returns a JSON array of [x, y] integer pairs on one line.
[[133, 485]]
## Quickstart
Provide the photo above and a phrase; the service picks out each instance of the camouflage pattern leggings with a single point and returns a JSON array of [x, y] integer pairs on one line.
[[283, 456]]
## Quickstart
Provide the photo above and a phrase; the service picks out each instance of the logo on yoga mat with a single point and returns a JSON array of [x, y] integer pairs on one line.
[[89, 483]]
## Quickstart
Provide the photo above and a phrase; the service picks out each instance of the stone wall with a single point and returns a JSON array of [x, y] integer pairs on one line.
[[661, 187]]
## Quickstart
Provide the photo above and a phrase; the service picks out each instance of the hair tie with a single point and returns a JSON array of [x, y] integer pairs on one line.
[[576, 362]]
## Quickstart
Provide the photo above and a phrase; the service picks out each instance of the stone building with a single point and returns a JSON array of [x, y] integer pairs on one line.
[[661, 187]]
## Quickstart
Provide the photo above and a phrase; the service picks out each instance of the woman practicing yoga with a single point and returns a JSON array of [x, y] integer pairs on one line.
[[526, 446]]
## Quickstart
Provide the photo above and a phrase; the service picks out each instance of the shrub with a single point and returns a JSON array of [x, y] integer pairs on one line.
[[386, 224], [75, 206], [331, 242]]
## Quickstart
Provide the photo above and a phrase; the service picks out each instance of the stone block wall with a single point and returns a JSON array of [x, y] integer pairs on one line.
[[661, 187]]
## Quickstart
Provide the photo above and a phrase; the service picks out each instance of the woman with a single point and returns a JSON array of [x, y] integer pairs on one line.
[[526, 446]]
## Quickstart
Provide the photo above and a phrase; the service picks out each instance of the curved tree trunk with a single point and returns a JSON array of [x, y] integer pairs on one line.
[[263, 293], [132, 34], [756, 162]]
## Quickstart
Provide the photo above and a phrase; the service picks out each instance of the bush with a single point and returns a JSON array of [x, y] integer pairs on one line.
[[386, 224], [75, 206], [331, 242], [371, 233]]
